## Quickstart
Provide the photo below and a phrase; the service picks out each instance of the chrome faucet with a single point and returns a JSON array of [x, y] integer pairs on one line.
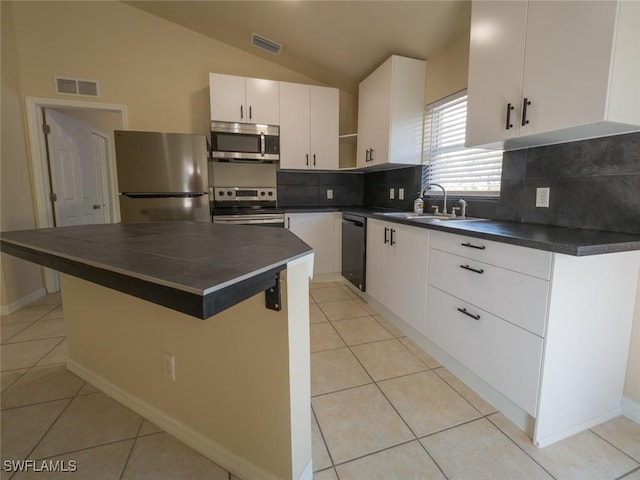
[[429, 185], [464, 208]]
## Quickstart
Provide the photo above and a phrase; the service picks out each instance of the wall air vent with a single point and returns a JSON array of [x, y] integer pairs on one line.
[[76, 86], [265, 44]]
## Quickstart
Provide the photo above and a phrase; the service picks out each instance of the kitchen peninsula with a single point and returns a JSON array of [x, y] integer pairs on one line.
[[202, 329]]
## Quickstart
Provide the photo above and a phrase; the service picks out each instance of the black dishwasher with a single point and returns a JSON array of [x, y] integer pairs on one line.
[[354, 249]]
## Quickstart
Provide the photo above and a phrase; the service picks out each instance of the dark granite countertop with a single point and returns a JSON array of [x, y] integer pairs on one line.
[[196, 268], [569, 241]]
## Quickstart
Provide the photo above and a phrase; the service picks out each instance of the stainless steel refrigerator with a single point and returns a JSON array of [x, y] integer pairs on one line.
[[162, 176]]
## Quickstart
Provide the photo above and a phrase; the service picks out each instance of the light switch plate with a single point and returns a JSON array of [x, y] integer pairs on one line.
[[392, 193], [329, 194], [542, 197], [401, 194]]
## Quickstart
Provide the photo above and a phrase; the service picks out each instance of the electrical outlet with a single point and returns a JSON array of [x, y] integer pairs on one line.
[[542, 197], [169, 366], [329, 194], [392, 193], [401, 194]]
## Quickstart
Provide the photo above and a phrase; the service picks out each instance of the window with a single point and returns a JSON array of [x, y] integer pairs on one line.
[[460, 170]]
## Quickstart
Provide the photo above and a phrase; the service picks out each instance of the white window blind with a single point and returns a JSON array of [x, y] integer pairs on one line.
[[460, 170]]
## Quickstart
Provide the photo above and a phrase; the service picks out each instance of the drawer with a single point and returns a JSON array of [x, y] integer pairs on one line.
[[505, 356], [521, 259], [521, 299]]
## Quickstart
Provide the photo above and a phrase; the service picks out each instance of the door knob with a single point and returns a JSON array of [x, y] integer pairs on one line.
[[97, 207]]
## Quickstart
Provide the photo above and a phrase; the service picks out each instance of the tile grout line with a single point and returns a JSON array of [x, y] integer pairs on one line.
[[313, 412], [518, 446], [135, 440], [626, 475], [614, 446]]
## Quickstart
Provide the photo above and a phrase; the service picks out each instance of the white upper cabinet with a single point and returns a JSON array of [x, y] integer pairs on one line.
[[244, 100], [391, 113], [308, 127], [546, 72]]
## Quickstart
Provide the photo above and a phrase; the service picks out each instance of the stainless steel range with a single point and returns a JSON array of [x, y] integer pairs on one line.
[[246, 206]]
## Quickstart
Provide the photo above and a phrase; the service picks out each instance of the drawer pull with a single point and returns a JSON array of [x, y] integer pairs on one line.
[[467, 267], [464, 310], [470, 245]]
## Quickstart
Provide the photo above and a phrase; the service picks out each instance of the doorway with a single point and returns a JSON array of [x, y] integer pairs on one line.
[[89, 195]]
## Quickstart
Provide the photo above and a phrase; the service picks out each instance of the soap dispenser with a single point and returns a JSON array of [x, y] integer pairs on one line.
[[418, 204]]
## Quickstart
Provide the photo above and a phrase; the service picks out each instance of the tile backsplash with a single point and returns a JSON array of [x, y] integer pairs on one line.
[[310, 189], [595, 184]]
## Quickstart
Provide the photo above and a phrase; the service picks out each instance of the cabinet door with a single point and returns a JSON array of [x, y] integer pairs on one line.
[[294, 125], [496, 54], [374, 112], [317, 230], [324, 117], [567, 63], [263, 101], [227, 98], [407, 270], [377, 260]]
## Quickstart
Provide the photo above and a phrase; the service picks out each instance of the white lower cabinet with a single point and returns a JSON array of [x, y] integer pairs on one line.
[[549, 332], [321, 231], [397, 269], [483, 342]]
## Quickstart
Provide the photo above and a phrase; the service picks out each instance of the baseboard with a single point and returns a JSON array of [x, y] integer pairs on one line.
[[326, 277], [631, 409], [23, 302], [239, 466]]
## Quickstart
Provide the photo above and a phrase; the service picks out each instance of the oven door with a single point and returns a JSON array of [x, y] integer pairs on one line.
[[264, 220]]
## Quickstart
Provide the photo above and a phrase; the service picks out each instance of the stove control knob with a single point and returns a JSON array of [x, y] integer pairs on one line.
[[271, 194], [230, 193], [262, 194], [221, 193]]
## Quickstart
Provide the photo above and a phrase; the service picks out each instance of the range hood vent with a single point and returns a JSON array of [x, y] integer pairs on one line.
[[265, 44], [76, 86]]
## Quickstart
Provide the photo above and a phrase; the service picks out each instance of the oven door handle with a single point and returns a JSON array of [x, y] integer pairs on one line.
[[262, 144]]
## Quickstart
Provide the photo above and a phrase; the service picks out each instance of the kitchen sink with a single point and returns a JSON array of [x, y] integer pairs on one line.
[[426, 216]]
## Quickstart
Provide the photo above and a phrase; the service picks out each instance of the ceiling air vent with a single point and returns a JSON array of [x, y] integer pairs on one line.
[[265, 44], [76, 86]]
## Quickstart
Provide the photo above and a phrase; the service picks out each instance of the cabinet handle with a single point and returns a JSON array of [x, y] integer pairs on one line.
[[371, 155], [250, 114], [241, 111], [385, 235], [509, 124], [525, 103], [366, 156], [314, 159], [467, 267], [470, 245], [393, 231], [464, 310], [289, 223], [307, 155]]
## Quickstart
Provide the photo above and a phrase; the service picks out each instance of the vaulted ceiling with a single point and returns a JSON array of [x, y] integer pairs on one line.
[[336, 42]]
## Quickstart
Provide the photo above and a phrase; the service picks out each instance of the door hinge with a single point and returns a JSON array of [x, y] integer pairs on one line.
[[53, 197], [46, 128]]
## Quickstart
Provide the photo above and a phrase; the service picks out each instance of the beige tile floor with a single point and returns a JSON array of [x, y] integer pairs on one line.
[[382, 408]]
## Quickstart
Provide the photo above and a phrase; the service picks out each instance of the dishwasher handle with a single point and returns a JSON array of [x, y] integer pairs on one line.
[[355, 220]]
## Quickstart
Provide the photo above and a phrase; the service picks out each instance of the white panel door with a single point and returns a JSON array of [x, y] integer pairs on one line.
[[227, 98], [263, 101], [377, 260], [408, 255], [294, 125], [76, 177], [316, 230], [324, 107], [495, 70], [567, 64]]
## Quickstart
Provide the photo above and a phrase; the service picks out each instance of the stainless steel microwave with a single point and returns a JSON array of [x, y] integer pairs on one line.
[[245, 142]]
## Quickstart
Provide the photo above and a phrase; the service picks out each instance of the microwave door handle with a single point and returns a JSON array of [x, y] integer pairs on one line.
[[262, 144]]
